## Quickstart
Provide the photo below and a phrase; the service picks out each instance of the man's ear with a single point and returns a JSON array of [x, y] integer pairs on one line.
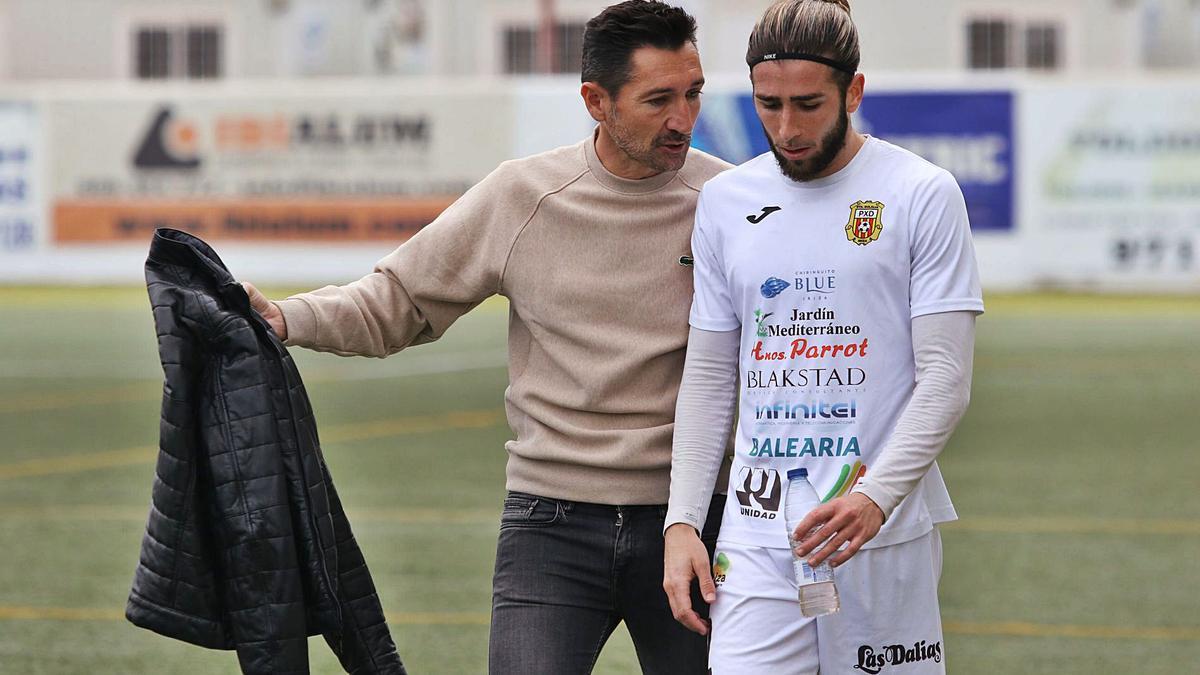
[[596, 99], [854, 94]]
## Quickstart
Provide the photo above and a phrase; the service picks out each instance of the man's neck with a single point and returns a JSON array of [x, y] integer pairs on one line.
[[616, 161], [854, 143]]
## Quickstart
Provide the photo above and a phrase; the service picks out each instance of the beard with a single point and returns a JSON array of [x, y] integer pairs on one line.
[[802, 170], [646, 153]]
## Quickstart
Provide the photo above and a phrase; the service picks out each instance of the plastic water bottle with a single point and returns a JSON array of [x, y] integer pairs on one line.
[[818, 593]]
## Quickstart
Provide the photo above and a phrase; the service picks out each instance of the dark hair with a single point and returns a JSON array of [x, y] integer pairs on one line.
[[612, 36], [819, 27]]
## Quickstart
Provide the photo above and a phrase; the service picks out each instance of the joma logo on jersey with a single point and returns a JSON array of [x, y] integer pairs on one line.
[[759, 493], [756, 218], [866, 222]]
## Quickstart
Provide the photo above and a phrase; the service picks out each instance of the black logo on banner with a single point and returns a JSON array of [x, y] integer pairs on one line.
[[155, 151], [766, 211], [760, 492]]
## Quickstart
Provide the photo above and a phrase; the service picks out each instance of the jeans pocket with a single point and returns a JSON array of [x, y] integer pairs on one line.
[[529, 511]]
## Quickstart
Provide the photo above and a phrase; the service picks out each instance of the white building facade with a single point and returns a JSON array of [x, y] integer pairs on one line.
[[256, 39]]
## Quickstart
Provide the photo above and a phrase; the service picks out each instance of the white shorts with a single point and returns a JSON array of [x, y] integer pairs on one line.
[[889, 620]]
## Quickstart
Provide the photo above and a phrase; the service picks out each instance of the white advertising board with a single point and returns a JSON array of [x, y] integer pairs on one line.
[[1110, 188], [1092, 186], [354, 165]]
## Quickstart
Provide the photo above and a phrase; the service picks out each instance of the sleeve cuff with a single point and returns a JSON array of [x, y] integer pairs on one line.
[[878, 495], [953, 305], [300, 320], [714, 325], [677, 514]]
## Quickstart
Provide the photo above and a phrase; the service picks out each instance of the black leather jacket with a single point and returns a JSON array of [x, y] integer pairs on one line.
[[247, 546]]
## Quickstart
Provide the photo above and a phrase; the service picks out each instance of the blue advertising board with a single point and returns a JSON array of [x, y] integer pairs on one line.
[[968, 133]]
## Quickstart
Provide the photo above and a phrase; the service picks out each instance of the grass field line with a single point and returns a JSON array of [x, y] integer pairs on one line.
[[91, 298], [340, 433], [18, 613], [981, 628], [73, 399], [67, 368], [1082, 304], [50, 466]]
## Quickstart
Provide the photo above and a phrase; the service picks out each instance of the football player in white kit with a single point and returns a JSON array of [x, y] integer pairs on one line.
[[836, 292]]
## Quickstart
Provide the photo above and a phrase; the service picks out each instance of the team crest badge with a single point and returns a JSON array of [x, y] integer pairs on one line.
[[866, 222]]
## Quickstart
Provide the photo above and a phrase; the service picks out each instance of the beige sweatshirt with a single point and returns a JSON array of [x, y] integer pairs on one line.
[[599, 299]]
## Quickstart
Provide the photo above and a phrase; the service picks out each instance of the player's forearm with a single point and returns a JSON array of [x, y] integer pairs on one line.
[[943, 347], [703, 416]]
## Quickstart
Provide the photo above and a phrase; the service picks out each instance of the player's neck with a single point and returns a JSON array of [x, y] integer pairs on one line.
[[854, 143]]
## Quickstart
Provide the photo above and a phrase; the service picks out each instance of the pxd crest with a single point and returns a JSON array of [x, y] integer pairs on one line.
[[866, 222]]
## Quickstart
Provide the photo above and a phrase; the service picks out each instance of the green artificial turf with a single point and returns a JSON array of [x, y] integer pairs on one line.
[[1075, 473]]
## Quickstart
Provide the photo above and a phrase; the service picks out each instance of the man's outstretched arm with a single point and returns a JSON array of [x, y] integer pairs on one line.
[[417, 291]]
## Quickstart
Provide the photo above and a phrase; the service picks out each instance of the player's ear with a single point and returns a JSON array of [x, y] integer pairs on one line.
[[854, 93], [596, 99]]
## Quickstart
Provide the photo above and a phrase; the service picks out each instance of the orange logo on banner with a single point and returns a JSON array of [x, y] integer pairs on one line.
[[248, 133]]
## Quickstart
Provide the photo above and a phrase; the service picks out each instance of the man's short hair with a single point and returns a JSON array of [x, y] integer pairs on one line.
[[612, 36], [821, 28]]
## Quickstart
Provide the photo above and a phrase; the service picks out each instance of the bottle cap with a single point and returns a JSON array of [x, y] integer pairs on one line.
[[797, 473]]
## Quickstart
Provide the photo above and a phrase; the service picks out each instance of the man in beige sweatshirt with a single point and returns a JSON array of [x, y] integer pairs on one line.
[[590, 243]]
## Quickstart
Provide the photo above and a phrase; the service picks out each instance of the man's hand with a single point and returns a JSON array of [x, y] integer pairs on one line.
[[853, 518], [685, 559], [268, 310]]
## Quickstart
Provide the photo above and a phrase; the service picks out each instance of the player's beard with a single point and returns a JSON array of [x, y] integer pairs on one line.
[[830, 145], [646, 153]]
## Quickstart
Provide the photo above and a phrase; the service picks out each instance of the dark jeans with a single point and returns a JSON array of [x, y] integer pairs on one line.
[[568, 572]]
